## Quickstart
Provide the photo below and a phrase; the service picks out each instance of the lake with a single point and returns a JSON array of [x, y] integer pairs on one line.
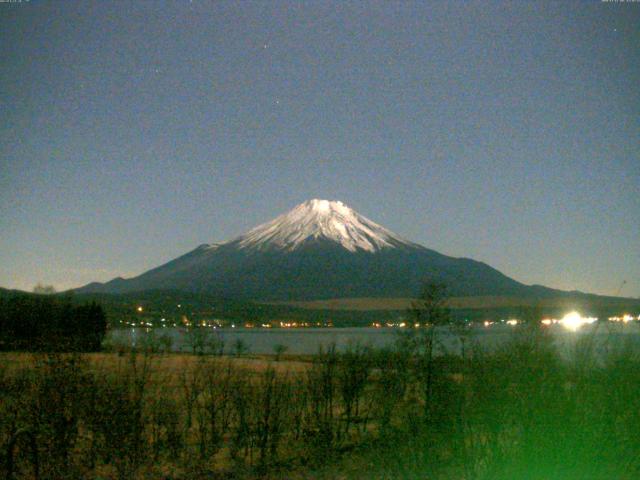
[[309, 340]]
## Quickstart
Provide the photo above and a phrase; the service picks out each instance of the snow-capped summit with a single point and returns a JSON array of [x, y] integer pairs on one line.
[[320, 219]]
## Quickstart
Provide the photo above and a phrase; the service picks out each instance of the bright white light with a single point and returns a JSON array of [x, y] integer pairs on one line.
[[513, 321], [573, 321], [627, 318], [547, 321]]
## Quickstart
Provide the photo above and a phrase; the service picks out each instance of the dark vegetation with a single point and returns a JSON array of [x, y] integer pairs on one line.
[[519, 412], [175, 305], [201, 306], [50, 323]]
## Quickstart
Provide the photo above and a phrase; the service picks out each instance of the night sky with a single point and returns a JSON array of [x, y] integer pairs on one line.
[[131, 132]]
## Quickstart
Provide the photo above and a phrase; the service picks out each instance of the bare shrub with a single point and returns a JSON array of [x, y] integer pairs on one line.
[[353, 374], [214, 406], [320, 430], [270, 416], [118, 416]]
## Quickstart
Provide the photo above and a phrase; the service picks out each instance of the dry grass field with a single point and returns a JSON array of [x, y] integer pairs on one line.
[[518, 412], [170, 367]]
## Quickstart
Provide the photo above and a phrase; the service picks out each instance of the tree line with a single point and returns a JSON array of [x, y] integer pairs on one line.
[[50, 323]]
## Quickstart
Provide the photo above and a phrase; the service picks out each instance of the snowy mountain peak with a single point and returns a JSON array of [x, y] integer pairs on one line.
[[325, 207], [321, 219]]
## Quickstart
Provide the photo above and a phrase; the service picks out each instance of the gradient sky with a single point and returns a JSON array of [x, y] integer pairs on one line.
[[131, 132]]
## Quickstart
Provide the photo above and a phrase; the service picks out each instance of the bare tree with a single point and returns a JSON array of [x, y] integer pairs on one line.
[[279, 350], [429, 311]]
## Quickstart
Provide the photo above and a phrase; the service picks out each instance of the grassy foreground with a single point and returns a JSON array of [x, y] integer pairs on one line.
[[517, 413]]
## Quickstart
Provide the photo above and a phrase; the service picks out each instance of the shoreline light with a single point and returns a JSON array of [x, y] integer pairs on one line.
[[626, 318], [573, 321]]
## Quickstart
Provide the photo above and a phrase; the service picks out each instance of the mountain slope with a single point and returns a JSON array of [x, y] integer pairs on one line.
[[320, 249]]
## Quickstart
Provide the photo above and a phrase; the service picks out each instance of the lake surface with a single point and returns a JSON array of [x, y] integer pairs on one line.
[[310, 340]]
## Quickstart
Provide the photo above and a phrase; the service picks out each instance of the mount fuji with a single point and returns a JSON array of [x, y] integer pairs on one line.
[[319, 250]]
